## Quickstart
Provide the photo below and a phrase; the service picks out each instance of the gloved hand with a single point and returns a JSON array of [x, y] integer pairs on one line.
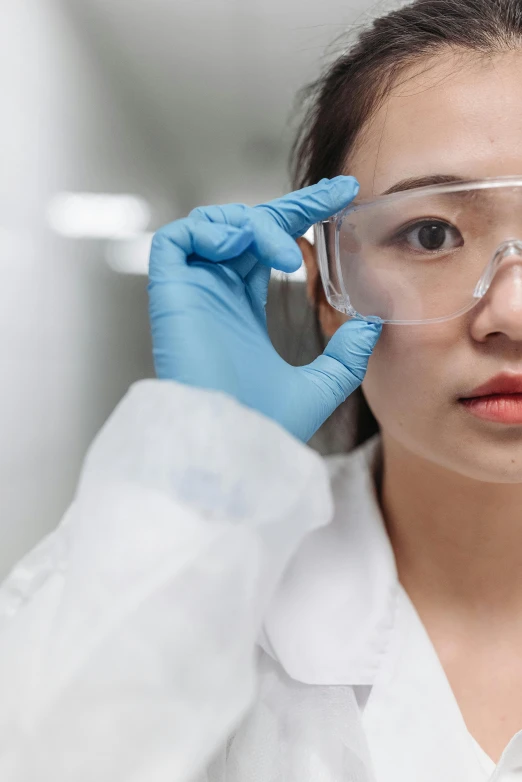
[[209, 275]]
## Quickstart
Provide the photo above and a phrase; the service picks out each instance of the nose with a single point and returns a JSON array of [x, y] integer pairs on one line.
[[500, 310]]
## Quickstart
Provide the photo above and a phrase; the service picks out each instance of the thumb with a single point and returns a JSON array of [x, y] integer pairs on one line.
[[336, 374]]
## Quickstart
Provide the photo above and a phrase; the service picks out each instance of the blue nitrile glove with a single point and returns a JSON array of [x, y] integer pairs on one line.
[[209, 275]]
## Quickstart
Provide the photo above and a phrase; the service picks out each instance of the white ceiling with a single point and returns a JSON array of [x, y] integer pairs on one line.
[[212, 82]]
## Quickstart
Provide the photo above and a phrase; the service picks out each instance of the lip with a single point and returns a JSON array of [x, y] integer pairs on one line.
[[500, 399], [500, 384]]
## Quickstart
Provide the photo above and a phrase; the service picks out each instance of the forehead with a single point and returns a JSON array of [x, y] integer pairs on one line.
[[452, 115]]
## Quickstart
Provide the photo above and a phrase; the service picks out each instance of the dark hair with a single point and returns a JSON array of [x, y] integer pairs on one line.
[[339, 104]]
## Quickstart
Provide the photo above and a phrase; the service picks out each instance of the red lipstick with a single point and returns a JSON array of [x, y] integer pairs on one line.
[[500, 399]]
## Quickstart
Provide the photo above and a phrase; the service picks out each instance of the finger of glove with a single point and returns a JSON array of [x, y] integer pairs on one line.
[[257, 290], [272, 246], [175, 242], [296, 212], [340, 369]]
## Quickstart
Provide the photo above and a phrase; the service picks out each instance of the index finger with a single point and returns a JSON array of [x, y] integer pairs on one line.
[[298, 211]]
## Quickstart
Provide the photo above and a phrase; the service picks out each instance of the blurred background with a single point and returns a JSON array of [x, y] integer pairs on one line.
[[118, 117]]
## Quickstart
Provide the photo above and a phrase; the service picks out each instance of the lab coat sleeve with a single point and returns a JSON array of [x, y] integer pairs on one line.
[[128, 636]]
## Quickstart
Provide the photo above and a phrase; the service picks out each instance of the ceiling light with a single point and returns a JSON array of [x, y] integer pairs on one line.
[[97, 215]]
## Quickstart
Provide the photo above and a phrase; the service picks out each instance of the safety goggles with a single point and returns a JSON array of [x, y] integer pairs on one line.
[[424, 255]]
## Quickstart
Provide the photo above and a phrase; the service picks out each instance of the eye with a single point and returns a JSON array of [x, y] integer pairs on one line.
[[430, 236]]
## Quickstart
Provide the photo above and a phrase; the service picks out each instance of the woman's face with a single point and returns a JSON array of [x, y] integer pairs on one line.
[[462, 118]]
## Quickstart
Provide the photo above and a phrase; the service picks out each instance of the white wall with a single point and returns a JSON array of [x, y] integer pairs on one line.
[[73, 334]]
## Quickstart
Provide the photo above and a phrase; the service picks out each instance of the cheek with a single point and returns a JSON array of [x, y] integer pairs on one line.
[[406, 373]]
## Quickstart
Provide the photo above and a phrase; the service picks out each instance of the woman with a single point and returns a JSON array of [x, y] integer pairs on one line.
[[218, 606]]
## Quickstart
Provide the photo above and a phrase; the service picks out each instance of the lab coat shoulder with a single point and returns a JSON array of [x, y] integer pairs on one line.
[[333, 612], [128, 636]]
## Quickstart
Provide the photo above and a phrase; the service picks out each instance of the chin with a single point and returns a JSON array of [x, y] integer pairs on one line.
[[488, 456], [478, 450]]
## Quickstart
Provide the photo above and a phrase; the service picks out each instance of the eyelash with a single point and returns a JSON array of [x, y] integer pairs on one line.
[[417, 226]]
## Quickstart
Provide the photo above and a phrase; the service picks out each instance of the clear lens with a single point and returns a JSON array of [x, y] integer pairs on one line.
[[413, 257], [327, 244]]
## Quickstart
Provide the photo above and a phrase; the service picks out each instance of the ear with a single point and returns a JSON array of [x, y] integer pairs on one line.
[[312, 269], [329, 318]]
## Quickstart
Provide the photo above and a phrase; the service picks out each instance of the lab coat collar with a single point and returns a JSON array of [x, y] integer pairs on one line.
[[332, 617]]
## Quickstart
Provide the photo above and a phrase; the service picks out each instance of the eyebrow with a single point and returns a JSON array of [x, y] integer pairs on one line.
[[424, 181]]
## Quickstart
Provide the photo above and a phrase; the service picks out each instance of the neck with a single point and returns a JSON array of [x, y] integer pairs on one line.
[[457, 541]]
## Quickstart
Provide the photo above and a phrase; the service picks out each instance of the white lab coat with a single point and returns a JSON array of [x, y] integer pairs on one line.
[[221, 604]]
